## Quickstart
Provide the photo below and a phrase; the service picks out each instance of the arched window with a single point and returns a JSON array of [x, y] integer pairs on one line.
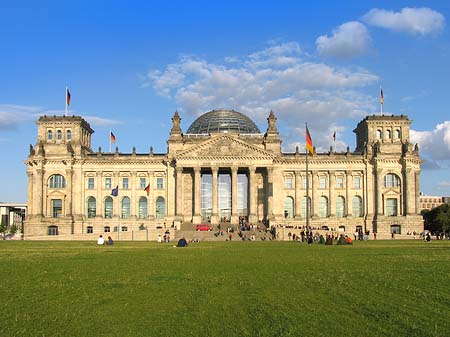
[[288, 207], [391, 180], [142, 207], [340, 207], [303, 208], [57, 181], [397, 134], [323, 207], [49, 134], [160, 208], [378, 134], [108, 207], [125, 208], [91, 207], [59, 134], [357, 206], [388, 134], [68, 135]]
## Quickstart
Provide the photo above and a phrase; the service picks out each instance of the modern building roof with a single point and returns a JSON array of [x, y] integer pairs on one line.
[[223, 121]]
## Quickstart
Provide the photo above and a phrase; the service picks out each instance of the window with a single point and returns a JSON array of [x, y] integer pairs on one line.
[[142, 207], [125, 183], [288, 182], [388, 134], [159, 183], [160, 208], [107, 183], [303, 207], [341, 229], [322, 182], [57, 208], [91, 207], [52, 230], [125, 208], [304, 182], [356, 182], [142, 183], [68, 135], [107, 229], [378, 134], [323, 207], [391, 180], [340, 207], [397, 134], [124, 228], [91, 183], [57, 181], [391, 207], [90, 229], [49, 136], [108, 207], [340, 182], [288, 207], [58, 134], [357, 209], [396, 229]]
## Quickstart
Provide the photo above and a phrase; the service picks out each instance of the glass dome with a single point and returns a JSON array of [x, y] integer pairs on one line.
[[225, 121]]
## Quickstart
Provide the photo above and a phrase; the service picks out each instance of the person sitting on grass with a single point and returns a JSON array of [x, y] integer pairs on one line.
[[329, 240], [100, 240], [321, 240], [182, 242], [341, 240], [110, 241], [348, 240]]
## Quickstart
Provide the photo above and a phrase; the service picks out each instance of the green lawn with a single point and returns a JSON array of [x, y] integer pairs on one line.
[[384, 288]]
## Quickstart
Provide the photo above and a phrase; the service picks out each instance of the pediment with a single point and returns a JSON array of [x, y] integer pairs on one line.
[[225, 146]]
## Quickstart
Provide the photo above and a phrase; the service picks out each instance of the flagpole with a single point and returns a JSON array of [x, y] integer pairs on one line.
[[65, 111], [307, 187]]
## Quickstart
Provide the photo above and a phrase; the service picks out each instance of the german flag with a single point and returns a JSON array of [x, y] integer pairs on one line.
[[112, 137], [309, 143], [147, 189]]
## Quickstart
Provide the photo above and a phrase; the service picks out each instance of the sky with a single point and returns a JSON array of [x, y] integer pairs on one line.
[[130, 65]]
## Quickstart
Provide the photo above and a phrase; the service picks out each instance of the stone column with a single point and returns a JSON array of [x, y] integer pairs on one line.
[[348, 202], [117, 209], [179, 191], [298, 195], [417, 194], [133, 202], [379, 185], [99, 204], [151, 200], [234, 195], [197, 218], [269, 191], [253, 195], [30, 199], [332, 198], [68, 205], [39, 192], [215, 199], [314, 194]]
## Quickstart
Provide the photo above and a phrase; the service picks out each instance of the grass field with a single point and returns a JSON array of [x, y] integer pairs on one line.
[[384, 288]]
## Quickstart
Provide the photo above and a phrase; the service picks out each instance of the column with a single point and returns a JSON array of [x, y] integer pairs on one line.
[[117, 209], [179, 191], [197, 219], [215, 199], [234, 195], [314, 194], [348, 202], [416, 195], [133, 202], [253, 194], [68, 205], [30, 195], [298, 195], [150, 200], [379, 195], [99, 204], [269, 192], [331, 201], [40, 176]]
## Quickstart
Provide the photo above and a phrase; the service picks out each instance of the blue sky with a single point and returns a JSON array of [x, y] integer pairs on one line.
[[130, 64]]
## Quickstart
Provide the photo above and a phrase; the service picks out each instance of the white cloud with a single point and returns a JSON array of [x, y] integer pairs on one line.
[[444, 184], [435, 143], [98, 121], [11, 115], [348, 40], [276, 78], [415, 21]]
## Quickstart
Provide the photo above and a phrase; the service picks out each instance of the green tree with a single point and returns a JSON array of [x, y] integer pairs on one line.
[[437, 219], [3, 229]]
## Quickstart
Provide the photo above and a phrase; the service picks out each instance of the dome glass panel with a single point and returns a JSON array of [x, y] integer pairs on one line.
[[224, 121]]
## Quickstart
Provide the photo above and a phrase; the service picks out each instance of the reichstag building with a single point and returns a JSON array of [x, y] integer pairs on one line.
[[222, 168]]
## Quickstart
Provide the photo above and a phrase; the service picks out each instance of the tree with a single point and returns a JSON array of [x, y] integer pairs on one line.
[[3, 229], [437, 219]]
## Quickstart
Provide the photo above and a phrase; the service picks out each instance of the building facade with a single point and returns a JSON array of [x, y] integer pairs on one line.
[[222, 168], [428, 202]]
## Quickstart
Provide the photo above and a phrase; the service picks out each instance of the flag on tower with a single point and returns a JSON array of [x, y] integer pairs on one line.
[[112, 138], [67, 96], [115, 191], [309, 143], [381, 96], [147, 189], [334, 136]]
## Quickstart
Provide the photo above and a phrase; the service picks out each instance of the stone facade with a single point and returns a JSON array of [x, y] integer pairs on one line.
[[376, 186]]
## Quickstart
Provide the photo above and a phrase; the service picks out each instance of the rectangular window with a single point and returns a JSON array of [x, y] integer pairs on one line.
[[57, 208], [159, 183], [322, 182], [391, 207], [91, 183], [107, 229], [124, 228], [90, 229], [304, 182], [288, 183], [53, 230], [340, 182], [125, 183], [357, 182], [142, 183], [107, 183]]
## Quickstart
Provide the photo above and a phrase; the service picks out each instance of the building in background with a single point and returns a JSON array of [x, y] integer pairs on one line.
[[429, 202], [222, 169], [13, 215]]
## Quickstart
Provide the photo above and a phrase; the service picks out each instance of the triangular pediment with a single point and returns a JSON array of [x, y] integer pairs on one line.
[[225, 146]]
